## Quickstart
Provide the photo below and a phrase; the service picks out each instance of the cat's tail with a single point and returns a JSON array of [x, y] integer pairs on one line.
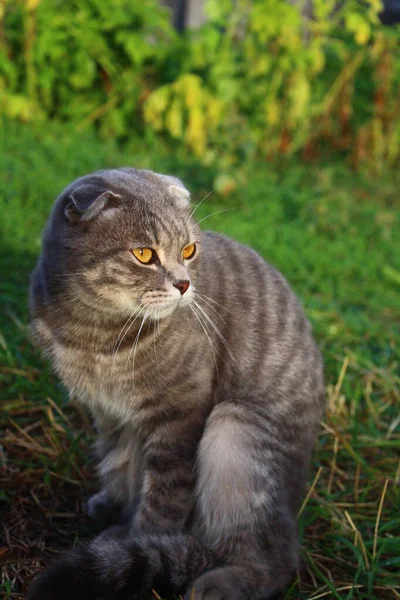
[[118, 566]]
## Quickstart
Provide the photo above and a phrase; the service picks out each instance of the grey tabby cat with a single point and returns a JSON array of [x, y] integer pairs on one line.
[[199, 367]]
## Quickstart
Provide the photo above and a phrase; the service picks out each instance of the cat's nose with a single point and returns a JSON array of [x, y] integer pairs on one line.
[[182, 286]]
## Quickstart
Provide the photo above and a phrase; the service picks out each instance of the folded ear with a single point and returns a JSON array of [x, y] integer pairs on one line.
[[180, 193], [176, 190], [87, 201]]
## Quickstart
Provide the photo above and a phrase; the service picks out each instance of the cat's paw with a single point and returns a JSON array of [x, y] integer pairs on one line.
[[102, 510], [219, 584]]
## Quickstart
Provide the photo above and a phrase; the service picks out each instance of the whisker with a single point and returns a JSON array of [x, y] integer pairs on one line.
[[216, 213], [198, 204], [135, 341], [154, 336], [211, 306], [214, 302], [217, 331], [135, 345], [126, 323], [206, 333], [116, 347]]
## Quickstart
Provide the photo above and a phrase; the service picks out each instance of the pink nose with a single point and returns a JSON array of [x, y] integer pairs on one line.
[[182, 286]]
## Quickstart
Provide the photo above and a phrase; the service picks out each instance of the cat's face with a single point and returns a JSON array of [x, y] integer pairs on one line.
[[125, 243]]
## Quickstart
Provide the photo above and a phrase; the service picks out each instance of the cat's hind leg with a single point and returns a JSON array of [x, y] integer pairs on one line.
[[243, 512]]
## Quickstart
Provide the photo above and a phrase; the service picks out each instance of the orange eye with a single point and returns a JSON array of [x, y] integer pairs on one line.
[[144, 255], [189, 251]]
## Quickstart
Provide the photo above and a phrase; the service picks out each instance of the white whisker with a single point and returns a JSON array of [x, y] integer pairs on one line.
[[215, 213], [217, 331], [211, 306], [206, 333], [116, 347], [154, 337], [135, 345], [198, 204], [214, 302], [126, 323]]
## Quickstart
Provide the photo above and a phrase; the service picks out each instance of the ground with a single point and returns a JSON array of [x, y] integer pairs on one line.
[[334, 234]]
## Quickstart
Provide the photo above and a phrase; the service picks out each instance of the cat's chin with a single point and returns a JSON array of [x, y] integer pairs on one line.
[[163, 311]]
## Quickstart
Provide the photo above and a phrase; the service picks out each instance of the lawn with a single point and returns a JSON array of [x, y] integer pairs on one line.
[[335, 235]]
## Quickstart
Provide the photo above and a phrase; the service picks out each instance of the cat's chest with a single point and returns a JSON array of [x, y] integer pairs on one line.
[[126, 383], [113, 382], [130, 380]]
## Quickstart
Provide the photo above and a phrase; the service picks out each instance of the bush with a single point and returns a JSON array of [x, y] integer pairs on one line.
[[82, 61], [257, 80]]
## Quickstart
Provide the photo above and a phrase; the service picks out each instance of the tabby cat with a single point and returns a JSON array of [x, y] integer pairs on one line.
[[199, 368]]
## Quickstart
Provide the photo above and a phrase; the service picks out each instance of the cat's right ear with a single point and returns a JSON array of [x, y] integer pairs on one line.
[[87, 201]]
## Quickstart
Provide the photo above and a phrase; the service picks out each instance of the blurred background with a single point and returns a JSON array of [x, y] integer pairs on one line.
[[286, 115]]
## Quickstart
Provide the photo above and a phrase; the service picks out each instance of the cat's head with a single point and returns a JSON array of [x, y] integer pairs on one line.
[[121, 242]]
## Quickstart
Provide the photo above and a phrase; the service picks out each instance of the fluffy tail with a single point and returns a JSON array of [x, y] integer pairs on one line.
[[116, 566]]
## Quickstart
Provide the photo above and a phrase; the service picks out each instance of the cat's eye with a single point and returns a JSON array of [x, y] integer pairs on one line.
[[189, 251], [144, 255]]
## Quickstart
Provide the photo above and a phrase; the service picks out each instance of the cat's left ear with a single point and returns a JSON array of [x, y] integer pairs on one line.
[[87, 201], [181, 194], [177, 190]]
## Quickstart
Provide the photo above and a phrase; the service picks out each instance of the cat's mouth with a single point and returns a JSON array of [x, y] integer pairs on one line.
[[160, 310], [158, 304]]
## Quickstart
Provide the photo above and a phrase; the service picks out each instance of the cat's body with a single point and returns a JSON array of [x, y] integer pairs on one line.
[[204, 382]]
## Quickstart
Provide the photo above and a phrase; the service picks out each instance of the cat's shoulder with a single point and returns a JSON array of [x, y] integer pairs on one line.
[[241, 259]]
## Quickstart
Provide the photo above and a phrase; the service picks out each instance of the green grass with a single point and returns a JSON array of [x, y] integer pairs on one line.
[[335, 235]]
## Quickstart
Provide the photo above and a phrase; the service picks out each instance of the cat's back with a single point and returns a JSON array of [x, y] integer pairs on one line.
[[259, 316], [248, 285]]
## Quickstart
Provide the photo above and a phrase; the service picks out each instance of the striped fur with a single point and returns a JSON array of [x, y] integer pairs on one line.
[[206, 404]]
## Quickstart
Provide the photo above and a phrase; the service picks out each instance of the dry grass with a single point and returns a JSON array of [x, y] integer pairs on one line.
[[45, 478], [350, 548]]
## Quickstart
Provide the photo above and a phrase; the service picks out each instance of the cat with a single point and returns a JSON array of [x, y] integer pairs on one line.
[[200, 370]]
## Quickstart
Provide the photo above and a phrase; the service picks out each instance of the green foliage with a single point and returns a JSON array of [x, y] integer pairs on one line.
[[259, 79], [280, 83], [81, 60]]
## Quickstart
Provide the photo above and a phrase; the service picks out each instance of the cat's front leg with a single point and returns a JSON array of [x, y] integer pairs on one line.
[[118, 452], [167, 492]]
